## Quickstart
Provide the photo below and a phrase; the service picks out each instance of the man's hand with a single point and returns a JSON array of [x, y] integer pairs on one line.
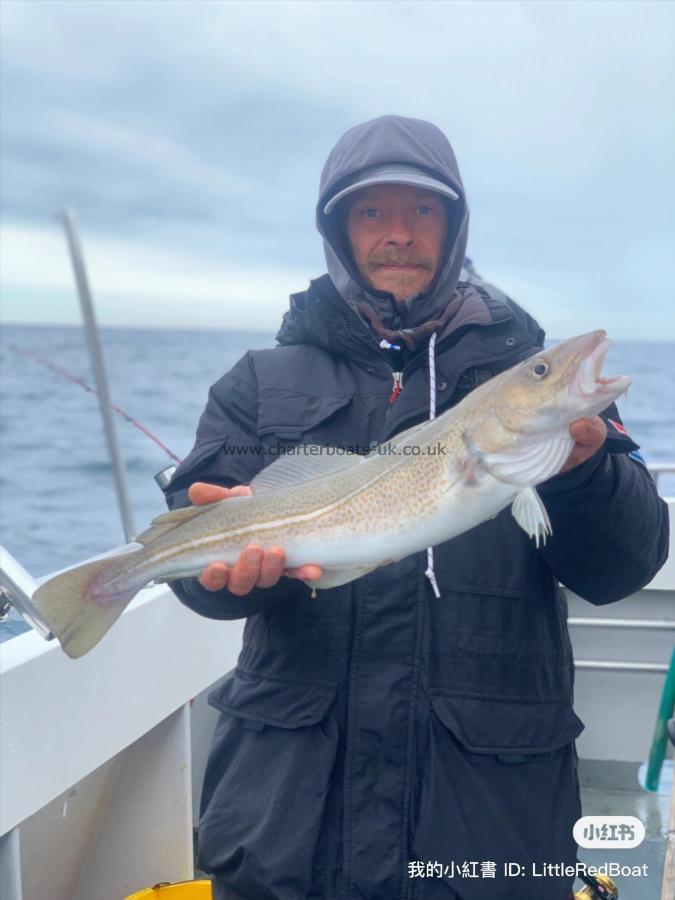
[[589, 435], [255, 567]]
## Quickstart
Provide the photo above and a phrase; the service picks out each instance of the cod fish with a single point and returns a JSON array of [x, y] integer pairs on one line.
[[351, 513]]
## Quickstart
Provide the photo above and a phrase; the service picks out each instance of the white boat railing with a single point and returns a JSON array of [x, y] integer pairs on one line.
[[659, 469], [625, 625], [633, 624], [96, 784]]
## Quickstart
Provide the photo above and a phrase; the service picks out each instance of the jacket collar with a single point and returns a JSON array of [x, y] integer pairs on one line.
[[320, 316]]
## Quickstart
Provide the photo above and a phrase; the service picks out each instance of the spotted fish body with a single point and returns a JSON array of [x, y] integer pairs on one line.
[[351, 514]]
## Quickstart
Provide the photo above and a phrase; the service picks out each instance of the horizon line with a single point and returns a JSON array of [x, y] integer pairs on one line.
[[250, 330]]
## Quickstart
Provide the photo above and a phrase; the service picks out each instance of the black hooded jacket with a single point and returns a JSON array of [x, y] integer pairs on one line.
[[376, 732]]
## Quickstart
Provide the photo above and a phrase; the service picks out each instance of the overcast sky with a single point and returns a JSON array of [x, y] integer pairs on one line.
[[189, 138]]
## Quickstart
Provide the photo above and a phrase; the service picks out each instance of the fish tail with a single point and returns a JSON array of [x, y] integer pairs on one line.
[[81, 604]]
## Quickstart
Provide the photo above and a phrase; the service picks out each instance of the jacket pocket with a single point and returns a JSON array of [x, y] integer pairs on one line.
[[499, 787], [292, 416], [266, 783], [262, 700], [506, 727]]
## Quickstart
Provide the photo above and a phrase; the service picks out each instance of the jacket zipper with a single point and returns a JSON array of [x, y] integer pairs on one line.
[[398, 376], [398, 386]]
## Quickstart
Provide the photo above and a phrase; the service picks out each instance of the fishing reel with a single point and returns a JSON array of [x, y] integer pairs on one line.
[[164, 477], [598, 887]]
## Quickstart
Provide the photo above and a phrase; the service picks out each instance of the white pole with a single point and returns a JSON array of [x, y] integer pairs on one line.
[[98, 365]]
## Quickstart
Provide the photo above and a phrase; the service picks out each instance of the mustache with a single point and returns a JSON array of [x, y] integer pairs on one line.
[[400, 259]]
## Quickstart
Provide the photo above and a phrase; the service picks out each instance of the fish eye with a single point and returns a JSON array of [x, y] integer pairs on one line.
[[539, 370]]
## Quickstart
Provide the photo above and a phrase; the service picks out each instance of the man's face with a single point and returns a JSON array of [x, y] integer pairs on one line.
[[397, 236]]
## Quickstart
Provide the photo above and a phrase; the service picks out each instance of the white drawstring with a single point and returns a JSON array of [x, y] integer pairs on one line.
[[432, 415]]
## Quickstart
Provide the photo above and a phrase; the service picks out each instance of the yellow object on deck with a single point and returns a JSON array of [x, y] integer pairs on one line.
[[180, 890], [611, 890]]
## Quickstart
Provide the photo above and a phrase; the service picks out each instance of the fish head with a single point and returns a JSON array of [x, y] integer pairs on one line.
[[556, 386]]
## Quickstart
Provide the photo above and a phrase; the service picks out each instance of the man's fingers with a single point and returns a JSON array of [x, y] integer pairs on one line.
[[589, 435], [589, 432], [272, 567], [200, 493], [240, 490], [309, 572], [246, 571], [215, 577], [254, 568]]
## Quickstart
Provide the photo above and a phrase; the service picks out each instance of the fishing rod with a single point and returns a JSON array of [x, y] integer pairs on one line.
[[74, 379]]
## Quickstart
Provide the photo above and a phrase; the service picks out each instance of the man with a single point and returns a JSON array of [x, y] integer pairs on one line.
[[377, 726]]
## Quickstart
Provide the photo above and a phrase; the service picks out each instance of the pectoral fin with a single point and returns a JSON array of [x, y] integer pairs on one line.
[[530, 463], [530, 513]]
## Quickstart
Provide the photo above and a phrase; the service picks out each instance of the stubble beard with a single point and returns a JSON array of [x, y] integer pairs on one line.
[[402, 284], [405, 283]]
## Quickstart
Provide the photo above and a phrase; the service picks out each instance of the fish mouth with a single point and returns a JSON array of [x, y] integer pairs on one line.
[[589, 381]]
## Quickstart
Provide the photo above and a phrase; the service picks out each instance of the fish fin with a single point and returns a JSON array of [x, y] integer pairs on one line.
[[335, 577], [291, 469], [161, 525], [530, 513], [467, 466], [531, 463], [401, 438], [75, 606]]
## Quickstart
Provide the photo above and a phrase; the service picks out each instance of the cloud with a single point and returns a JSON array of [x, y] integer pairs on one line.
[[136, 285], [202, 128]]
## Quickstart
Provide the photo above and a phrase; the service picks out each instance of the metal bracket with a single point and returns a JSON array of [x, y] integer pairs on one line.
[[17, 587]]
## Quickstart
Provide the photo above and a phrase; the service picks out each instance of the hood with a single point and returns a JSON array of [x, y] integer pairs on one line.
[[393, 139]]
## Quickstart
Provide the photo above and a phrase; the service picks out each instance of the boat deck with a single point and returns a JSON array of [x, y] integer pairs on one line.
[[612, 789]]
